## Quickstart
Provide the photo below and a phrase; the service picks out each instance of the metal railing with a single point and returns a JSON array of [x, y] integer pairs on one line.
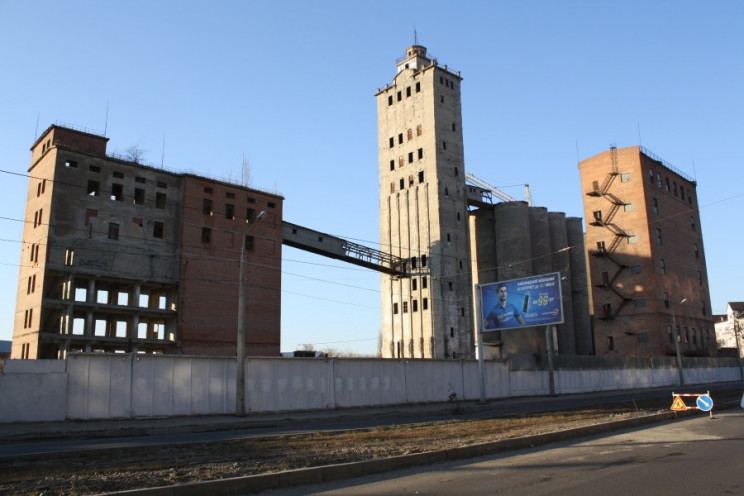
[[666, 164]]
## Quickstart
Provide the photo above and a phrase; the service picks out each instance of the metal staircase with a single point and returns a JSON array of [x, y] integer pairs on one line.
[[618, 233]]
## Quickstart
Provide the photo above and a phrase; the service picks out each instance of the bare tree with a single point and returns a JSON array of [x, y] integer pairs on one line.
[[135, 153]]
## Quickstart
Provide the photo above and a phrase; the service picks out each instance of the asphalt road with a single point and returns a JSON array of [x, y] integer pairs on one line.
[[94, 436], [694, 455]]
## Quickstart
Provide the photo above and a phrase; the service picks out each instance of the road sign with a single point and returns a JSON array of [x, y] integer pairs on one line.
[[678, 405], [704, 402]]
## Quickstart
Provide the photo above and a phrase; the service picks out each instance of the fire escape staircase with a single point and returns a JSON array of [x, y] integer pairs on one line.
[[619, 234]]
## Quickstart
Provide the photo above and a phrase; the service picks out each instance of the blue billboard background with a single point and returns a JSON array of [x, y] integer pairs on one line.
[[531, 301]]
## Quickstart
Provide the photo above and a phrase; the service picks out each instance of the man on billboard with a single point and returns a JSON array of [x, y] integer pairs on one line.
[[503, 314]]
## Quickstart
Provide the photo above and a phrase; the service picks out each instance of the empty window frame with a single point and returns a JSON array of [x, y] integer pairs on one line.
[[656, 205], [250, 243], [206, 235], [696, 250], [662, 266], [207, 206], [139, 196], [160, 199], [113, 230], [229, 211], [157, 229], [117, 191], [93, 189], [414, 305], [659, 237], [692, 223]]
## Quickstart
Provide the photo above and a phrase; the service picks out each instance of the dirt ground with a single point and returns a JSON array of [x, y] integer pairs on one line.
[[119, 470]]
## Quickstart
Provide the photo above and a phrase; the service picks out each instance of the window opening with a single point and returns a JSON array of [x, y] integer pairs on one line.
[[157, 229], [117, 192], [94, 188], [113, 231], [207, 206], [139, 196], [160, 200]]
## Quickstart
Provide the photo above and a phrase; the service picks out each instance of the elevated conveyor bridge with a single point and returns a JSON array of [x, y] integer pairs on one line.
[[330, 246]]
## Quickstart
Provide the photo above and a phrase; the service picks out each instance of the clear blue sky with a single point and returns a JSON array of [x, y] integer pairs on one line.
[[290, 85]]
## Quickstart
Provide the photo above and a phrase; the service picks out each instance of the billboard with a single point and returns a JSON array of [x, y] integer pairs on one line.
[[526, 302]]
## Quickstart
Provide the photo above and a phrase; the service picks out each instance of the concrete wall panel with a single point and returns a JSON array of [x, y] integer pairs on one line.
[[33, 397], [98, 386]]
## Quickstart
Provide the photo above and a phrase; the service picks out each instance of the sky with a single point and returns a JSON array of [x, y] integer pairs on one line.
[[289, 86]]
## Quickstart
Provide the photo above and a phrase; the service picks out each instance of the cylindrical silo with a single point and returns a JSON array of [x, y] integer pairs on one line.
[[483, 245], [540, 239], [561, 264], [579, 287], [513, 247]]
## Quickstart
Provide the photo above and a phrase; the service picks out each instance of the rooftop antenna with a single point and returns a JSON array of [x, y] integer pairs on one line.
[[640, 141], [105, 125], [415, 36], [36, 132], [162, 156]]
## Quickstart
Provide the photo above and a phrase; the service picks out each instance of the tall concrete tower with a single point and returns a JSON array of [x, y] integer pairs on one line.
[[423, 212]]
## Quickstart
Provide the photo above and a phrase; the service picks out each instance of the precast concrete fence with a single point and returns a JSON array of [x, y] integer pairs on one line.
[[123, 386]]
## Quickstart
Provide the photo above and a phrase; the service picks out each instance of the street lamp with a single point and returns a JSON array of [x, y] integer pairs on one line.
[[240, 374], [676, 346]]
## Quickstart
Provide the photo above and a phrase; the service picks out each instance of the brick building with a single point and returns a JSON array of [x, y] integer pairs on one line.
[[122, 257], [646, 260]]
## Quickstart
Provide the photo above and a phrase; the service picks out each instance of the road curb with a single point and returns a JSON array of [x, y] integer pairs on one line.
[[312, 475]]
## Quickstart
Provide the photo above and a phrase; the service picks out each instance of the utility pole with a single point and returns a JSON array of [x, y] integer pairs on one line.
[[240, 374]]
